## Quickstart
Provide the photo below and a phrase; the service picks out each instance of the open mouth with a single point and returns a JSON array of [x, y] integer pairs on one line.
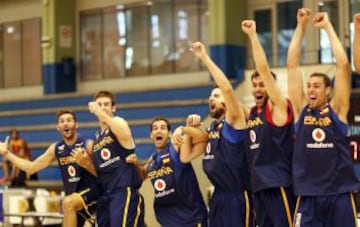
[[158, 138]]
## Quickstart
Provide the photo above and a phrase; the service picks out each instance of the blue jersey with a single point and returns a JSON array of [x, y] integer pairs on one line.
[[109, 160], [270, 149], [75, 178], [321, 161], [224, 161], [178, 200]]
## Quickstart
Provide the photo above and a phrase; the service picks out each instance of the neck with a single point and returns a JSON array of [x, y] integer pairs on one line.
[[71, 141]]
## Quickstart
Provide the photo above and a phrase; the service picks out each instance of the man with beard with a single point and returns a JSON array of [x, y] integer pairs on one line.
[[323, 173], [224, 160], [178, 200], [269, 142], [81, 188]]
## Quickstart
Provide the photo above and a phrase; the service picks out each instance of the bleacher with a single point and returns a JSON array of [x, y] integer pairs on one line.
[[36, 119]]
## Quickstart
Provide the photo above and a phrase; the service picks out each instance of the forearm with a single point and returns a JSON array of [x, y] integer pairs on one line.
[[356, 51], [261, 63], [294, 52], [337, 47], [20, 163]]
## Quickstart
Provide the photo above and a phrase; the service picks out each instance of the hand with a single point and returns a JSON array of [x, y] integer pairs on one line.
[[198, 50], [132, 159], [177, 137], [357, 22], [81, 157], [321, 20], [303, 15], [248, 26], [193, 120], [4, 146]]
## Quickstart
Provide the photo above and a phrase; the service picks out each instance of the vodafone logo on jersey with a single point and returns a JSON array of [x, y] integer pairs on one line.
[[71, 171], [159, 185], [252, 135], [318, 135], [105, 154]]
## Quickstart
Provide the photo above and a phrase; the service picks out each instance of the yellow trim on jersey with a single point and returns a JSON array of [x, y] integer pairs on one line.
[[138, 211], [286, 205], [126, 208], [296, 209], [247, 211], [79, 195], [352, 200]]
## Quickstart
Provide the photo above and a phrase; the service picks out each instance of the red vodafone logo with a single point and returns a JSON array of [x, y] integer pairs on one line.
[[252, 135], [159, 185], [318, 135], [105, 154], [71, 171]]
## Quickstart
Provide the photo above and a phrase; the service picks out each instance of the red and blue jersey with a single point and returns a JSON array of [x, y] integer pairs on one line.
[[269, 149]]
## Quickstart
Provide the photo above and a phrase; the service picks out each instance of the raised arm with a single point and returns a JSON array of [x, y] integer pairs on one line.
[[30, 167], [295, 80], [342, 86], [278, 105], [356, 43], [234, 115], [117, 125]]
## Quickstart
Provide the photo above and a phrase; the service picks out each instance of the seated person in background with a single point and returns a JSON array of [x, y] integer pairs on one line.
[[18, 146]]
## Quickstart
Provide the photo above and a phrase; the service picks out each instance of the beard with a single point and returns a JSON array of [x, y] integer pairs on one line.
[[218, 113]]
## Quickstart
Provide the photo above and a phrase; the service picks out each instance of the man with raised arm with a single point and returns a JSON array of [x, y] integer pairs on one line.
[[81, 187], [269, 142], [323, 174]]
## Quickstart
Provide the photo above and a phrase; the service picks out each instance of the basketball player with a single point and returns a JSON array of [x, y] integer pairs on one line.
[[323, 174], [178, 200], [270, 142], [121, 204], [224, 160], [81, 188]]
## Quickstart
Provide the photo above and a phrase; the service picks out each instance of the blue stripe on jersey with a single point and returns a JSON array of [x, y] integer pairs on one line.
[[233, 135]]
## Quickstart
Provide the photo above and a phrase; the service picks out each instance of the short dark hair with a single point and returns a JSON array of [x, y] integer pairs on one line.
[[160, 118], [325, 77], [257, 74], [108, 94], [65, 111]]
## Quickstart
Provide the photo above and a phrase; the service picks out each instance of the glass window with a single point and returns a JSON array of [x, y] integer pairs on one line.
[[331, 7], [187, 30], [287, 22], [31, 52], [161, 37], [263, 27], [12, 55], [137, 49], [91, 46], [114, 44]]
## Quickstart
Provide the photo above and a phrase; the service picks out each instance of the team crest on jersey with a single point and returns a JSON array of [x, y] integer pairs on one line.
[[166, 160], [159, 185], [71, 171], [318, 135], [105, 154], [252, 135]]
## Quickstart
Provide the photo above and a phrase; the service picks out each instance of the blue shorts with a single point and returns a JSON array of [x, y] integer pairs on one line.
[[326, 211], [274, 207], [231, 209], [89, 197], [124, 207]]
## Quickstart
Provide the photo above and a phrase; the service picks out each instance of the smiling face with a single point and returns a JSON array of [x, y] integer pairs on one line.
[[258, 91], [67, 125], [217, 108], [160, 133], [318, 90]]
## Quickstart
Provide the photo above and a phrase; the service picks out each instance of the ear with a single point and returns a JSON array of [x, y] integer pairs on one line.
[[113, 109], [328, 90]]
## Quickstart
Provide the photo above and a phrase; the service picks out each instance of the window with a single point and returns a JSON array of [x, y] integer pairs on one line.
[[140, 39]]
